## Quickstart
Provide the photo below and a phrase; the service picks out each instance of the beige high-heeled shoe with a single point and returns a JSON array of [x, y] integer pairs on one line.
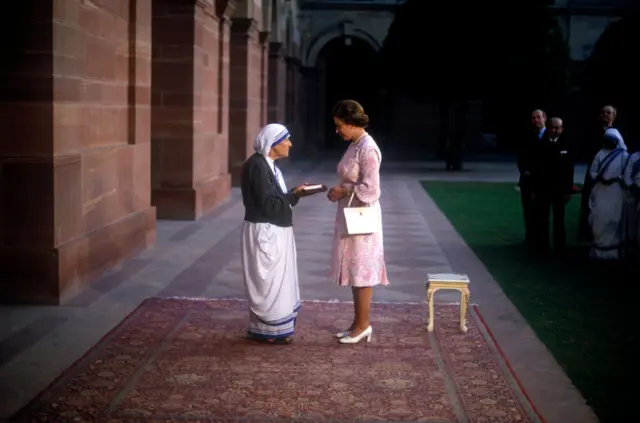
[[344, 332], [365, 334]]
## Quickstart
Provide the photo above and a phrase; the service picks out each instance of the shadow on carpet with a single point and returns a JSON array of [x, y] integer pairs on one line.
[[188, 360]]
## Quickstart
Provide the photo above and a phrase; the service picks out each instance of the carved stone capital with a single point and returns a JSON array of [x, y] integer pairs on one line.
[[205, 3], [243, 26], [264, 36], [276, 49], [225, 8], [293, 61], [208, 7]]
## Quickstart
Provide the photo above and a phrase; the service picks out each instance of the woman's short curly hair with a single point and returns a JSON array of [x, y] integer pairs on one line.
[[351, 113]]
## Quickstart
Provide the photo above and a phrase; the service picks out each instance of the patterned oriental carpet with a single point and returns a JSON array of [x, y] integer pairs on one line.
[[188, 360]]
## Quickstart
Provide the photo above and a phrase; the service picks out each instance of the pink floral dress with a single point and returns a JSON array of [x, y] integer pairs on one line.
[[358, 260]]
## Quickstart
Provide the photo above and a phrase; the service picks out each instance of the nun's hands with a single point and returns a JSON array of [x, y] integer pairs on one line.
[[299, 190]]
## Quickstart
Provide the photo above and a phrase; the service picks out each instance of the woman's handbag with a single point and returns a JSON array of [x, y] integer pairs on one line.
[[362, 220]]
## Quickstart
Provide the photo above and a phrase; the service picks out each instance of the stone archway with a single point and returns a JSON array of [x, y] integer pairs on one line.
[[340, 31], [611, 73], [327, 54], [348, 70]]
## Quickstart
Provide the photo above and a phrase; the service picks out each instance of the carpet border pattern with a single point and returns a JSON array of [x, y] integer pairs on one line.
[[435, 338]]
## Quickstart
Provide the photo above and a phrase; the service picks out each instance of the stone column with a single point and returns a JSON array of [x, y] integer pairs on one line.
[[245, 113], [190, 170], [224, 9], [290, 90], [294, 105], [313, 128], [320, 141], [300, 100], [264, 78], [278, 105], [75, 175]]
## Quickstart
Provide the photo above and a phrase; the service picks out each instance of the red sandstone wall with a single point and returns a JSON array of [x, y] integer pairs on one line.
[[87, 144], [296, 106], [189, 130], [76, 179], [277, 84], [211, 144], [247, 107]]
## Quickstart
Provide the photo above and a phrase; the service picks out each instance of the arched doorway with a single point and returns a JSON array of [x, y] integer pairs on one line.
[[350, 71], [611, 74], [472, 72]]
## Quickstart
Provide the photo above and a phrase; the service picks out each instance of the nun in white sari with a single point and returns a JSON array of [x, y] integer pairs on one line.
[[632, 210], [608, 198], [268, 245]]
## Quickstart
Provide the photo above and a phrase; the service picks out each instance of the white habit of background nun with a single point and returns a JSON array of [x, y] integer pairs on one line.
[[268, 245], [632, 208], [608, 198]]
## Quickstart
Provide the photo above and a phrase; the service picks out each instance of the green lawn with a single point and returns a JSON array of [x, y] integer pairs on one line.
[[571, 303]]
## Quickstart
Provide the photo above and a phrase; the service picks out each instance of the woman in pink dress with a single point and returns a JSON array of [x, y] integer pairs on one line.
[[358, 260]]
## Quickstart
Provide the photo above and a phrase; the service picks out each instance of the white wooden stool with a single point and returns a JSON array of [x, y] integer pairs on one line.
[[459, 282]]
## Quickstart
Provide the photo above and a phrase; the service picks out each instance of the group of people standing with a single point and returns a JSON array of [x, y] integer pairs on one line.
[[610, 206], [545, 163], [269, 256], [609, 216]]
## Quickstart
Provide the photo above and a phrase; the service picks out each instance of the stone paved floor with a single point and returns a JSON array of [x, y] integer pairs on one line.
[[202, 259]]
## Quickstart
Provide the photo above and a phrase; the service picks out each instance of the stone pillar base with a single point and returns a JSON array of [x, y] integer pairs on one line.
[[191, 203], [235, 170], [50, 276]]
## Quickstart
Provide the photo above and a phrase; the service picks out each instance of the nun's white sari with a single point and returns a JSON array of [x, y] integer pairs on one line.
[[632, 207], [269, 262], [271, 279], [607, 201]]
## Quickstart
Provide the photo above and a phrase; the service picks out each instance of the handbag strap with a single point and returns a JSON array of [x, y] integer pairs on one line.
[[351, 199]]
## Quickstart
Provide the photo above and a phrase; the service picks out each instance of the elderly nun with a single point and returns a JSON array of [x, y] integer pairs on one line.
[[268, 246], [608, 198], [632, 209]]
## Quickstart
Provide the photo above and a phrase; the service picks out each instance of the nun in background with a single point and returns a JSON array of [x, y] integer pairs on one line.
[[608, 116], [268, 246], [632, 209], [608, 198]]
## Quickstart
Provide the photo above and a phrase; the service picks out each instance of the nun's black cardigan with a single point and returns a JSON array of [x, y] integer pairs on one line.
[[263, 200]]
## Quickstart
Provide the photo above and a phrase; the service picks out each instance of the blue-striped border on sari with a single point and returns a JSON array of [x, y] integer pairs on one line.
[[606, 162], [276, 329]]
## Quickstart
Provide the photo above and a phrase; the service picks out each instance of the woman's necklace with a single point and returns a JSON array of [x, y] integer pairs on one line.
[[364, 134]]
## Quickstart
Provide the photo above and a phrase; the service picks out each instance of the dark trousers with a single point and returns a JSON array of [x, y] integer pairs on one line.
[[584, 229], [527, 213], [544, 204]]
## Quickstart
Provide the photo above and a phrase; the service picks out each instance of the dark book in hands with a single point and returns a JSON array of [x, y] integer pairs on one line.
[[313, 189]]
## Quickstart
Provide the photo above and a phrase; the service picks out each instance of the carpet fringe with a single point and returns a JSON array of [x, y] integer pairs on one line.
[[334, 300]]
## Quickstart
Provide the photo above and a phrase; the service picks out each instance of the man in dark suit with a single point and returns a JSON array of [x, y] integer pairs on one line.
[[552, 184], [527, 146]]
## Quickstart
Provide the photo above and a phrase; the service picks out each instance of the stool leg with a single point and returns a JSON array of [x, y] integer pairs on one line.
[[464, 302], [430, 295], [427, 298]]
